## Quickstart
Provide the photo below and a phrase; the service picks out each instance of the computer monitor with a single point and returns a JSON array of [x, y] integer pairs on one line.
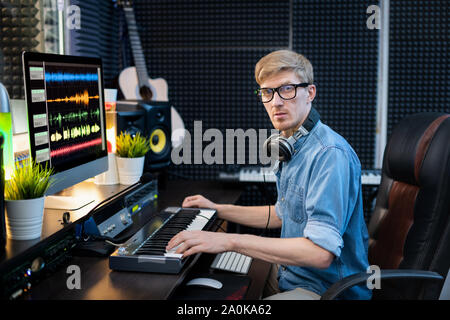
[[66, 116]]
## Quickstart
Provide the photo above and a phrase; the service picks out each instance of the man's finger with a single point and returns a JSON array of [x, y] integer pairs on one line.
[[176, 240], [192, 250]]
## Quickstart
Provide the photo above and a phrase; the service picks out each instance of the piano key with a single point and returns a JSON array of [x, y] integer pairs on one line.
[[173, 255]]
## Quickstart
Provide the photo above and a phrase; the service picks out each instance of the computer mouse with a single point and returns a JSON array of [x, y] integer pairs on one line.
[[205, 282]]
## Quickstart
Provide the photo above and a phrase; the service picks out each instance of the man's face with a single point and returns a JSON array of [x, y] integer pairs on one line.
[[288, 115]]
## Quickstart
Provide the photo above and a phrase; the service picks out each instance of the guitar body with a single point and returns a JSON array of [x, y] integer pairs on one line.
[[129, 84]]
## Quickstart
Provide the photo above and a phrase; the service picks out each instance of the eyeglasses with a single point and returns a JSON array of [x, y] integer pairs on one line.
[[286, 92]]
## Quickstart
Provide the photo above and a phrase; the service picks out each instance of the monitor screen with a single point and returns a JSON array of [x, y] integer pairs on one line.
[[66, 116]]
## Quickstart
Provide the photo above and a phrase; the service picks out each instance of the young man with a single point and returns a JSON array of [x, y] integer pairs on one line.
[[319, 207]]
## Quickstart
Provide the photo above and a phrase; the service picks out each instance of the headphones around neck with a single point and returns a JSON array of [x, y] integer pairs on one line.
[[284, 145]]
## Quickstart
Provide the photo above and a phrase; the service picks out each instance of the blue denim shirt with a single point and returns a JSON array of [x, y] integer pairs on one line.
[[320, 198]]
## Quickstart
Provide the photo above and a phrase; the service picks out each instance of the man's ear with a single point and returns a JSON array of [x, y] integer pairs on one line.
[[311, 92]]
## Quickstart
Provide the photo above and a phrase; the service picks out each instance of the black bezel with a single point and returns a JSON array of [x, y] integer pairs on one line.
[[52, 58]]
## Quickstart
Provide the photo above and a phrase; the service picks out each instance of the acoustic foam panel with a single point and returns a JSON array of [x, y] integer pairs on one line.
[[418, 59], [344, 53]]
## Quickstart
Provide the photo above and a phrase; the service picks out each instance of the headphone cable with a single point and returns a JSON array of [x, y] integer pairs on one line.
[[267, 199]]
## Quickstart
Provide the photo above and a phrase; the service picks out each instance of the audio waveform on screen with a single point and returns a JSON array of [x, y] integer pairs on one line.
[[64, 151], [78, 117], [67, 77], [78, 98], [55, 136], [75, 132]]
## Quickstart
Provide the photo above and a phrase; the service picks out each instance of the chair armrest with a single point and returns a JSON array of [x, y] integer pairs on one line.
[[337, 288]]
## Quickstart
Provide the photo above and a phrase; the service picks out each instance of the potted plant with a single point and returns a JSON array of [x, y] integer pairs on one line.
[[130, 152], [24, 200]]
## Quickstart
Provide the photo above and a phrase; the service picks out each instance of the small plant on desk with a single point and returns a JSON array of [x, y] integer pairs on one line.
[[24, 195], [131, 153]]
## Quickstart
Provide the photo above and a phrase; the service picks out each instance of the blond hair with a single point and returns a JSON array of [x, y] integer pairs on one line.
[[284, 60]]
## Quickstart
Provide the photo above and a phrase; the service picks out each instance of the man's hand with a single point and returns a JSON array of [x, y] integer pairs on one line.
[[198, 201], [192, 242]]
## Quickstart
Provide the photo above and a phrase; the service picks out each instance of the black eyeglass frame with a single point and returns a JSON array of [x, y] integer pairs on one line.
[[301, 85]]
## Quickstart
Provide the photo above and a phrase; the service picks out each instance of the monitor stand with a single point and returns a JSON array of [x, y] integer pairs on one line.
[[67, 202]]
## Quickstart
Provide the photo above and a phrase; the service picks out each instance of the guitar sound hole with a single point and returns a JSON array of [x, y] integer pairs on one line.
[[146, 93]]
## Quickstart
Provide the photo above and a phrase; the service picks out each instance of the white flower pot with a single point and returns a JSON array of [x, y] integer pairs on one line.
[[130, 169], [24, 218]]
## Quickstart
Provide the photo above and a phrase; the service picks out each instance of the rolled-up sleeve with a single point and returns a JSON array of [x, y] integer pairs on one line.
[[329, 198], [325, 236]]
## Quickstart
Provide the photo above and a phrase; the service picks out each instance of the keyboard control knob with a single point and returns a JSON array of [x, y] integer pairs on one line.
[[124, 219]]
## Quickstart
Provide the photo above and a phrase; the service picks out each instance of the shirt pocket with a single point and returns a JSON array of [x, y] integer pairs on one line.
[[295, 202]]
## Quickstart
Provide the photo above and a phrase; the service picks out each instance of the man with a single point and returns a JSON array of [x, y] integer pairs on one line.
[[319, 206]]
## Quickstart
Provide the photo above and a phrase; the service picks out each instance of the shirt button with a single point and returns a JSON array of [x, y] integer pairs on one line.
[[282, 199]]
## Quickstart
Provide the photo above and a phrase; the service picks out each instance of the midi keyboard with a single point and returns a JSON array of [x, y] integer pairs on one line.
[[146, 250]]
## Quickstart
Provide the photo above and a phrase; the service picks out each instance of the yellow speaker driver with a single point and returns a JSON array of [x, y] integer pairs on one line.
[[158, 141]]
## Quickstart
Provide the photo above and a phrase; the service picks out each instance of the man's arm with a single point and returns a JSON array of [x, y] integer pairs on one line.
[[251, 216], [286, 251]]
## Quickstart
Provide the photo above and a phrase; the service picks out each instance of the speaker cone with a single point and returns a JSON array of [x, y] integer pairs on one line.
[[158, 141]]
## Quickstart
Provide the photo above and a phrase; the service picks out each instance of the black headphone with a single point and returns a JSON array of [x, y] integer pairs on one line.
[[284, 145]]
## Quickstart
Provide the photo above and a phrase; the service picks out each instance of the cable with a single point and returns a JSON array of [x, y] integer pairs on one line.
[[267, 199], [110, 240], [115, 244]]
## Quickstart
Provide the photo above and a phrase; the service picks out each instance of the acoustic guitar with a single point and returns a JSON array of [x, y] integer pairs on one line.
[[134, 81]]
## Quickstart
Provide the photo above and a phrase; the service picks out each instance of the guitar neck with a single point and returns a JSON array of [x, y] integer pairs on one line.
[[136, 47]]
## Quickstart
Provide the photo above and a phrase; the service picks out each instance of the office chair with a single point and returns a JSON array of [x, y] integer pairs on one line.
[[409, 229]]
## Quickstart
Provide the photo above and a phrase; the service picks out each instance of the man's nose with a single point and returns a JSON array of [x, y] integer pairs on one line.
[[277, 100]]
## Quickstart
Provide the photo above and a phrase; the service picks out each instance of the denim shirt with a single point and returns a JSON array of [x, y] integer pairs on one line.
[[320, 198]]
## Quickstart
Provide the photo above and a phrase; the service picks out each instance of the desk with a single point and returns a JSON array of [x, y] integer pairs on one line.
[[98, 282]]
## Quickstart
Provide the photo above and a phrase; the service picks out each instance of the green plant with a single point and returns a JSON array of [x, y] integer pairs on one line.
[[132, 147], [28, 181]]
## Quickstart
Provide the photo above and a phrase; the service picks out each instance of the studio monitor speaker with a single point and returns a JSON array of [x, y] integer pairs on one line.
[[159, 130], [131, 118]]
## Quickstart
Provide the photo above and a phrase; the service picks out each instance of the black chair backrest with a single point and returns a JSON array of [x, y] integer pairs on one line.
[[409, 228]]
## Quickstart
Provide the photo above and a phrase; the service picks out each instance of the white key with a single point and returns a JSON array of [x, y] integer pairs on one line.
[[173, 255], [199, 222], [246, 264], [235, 263], [229, 261], [221, 259], [240, 263]]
